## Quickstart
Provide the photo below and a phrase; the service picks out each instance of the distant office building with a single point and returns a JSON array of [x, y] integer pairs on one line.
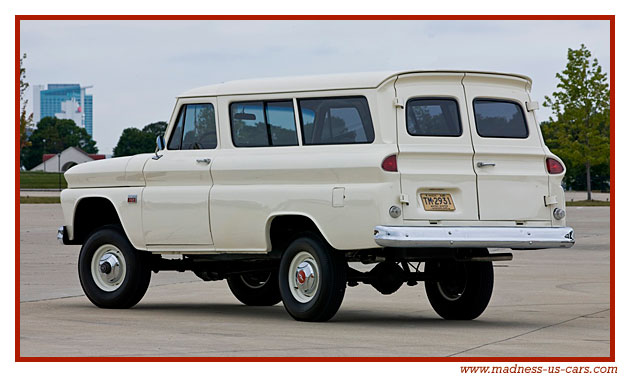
[[63, 101]]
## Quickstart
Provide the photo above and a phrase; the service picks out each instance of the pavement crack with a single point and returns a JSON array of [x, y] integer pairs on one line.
[[49, 299], [528, 332], [80, 295]]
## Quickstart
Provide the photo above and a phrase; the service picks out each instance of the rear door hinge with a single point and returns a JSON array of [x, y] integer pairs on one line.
[[532, 105], [398, 103], [403, 199], [550, 200]]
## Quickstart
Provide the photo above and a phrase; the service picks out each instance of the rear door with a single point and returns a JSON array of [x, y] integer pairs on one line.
[[436, 155], [509, 159]]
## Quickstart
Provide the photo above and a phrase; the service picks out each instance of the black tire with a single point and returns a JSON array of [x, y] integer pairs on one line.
[[462, 290], [256, 288], [331, 282], [130, 289]]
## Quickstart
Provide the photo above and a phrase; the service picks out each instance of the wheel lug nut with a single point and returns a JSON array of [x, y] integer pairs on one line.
[[106, 268]]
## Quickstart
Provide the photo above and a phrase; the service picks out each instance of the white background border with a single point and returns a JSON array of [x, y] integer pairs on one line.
[[7, 163]]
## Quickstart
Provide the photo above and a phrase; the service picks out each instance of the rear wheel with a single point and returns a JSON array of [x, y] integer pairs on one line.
[[112, 272], [312, 279], [256, 288], [462, 290]]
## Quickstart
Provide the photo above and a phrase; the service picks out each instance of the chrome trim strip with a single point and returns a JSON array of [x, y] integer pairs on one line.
[[468, 236]]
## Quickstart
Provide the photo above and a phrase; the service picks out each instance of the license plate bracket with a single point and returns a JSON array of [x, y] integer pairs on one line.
[[437, 202]]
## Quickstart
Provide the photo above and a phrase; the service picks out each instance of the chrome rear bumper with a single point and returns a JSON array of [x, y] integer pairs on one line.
[[474, 237]]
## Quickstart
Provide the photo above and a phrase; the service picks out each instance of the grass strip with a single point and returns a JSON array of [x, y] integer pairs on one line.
[[588, 203], [41, 180], [39, 199]]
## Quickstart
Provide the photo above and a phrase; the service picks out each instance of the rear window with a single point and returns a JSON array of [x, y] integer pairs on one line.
[[263, 124], [433, 117], [495, 118], [343, 120]]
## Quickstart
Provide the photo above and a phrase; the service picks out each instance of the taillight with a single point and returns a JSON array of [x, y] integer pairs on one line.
[[554, 166], [390, 163]]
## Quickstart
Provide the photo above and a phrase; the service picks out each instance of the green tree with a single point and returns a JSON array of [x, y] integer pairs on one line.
[[54, 136], [134, 141], [580, 132], [156, 129], [26, 121]]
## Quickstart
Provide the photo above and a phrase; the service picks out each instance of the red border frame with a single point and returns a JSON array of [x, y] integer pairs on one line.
[[610, 18]]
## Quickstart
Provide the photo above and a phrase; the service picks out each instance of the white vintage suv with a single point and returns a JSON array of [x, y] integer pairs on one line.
[[277, 184]]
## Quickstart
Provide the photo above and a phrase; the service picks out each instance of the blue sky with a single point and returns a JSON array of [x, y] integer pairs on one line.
[[138, 67]]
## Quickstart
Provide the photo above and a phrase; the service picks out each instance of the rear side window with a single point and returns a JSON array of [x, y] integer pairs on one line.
[[433, 117], [504, 119], [195, 128], [344, 120], [263, 124], [281, 123]]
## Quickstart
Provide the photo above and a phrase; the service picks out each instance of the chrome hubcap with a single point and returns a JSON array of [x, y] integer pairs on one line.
[[304, 277], [255, 280], [454, 287], [108, 268], [450, 293]]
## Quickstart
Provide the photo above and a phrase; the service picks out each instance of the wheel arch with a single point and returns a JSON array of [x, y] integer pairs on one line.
[[282, 227], [84, 220]]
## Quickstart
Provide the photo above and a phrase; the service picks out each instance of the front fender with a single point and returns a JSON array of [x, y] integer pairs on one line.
[[129, 213]]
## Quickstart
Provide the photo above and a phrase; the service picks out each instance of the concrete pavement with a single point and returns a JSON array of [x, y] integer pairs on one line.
[[545, 303]]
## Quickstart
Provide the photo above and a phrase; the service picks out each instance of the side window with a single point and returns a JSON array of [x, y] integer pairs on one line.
[[503, 119], [281, 121], [175, 141], [344, 120], [433, 117], [248, 124], [195, 128], [200, 131], [263, 124]]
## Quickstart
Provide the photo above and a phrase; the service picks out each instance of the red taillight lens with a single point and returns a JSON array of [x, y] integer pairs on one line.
[[554, 166], [390, 163]]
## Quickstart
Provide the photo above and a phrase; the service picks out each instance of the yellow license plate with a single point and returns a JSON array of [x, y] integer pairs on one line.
[[437, 202]]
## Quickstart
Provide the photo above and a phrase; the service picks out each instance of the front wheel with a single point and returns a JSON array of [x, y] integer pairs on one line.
[[112, 272], [255, 288], [312, 279], [461, 290]]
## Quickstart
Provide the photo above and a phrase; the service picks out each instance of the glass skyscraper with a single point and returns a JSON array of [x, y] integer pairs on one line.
[[64, 101]]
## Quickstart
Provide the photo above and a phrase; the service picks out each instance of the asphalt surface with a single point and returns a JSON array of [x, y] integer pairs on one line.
[[545, 303]]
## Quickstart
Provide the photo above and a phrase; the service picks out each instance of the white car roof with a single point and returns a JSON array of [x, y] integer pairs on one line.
[[316, 82]]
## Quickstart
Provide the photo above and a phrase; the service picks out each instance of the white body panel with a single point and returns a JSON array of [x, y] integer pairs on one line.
[[130, 214], [228, 205], [175, 201]]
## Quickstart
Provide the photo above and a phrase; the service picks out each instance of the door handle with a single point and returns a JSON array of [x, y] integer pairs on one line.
[[203, 161], [484, 164]]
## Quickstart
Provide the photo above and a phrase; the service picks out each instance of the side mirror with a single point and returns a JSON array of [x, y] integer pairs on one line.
[[160, 146]]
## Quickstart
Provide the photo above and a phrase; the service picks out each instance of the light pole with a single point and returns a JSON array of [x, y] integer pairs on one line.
[[59, 168], [44, 141]]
